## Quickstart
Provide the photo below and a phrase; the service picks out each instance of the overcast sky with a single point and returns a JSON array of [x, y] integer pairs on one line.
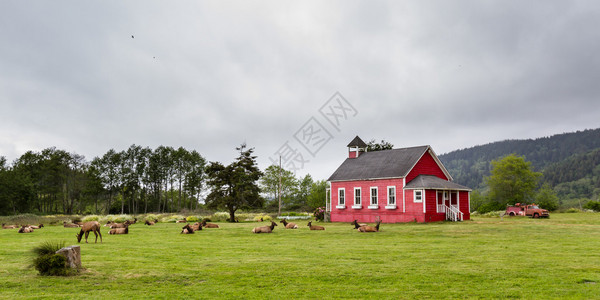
[[88, 76]]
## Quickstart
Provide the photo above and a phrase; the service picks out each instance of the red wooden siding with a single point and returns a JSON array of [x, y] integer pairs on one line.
[[426, 166], [465, 198]]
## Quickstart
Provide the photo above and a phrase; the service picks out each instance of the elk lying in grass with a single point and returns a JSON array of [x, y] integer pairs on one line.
[[209, 225], [36, 227], [9, 226], [25, 229], [315, 227], [149, 223], [187, 229], [196, 226], [357, 225], [181, 221], [265, 229], [369, 228], [92, 226], [289, 225], [118, 225], [129, 222], [119, 230], [70, 225]]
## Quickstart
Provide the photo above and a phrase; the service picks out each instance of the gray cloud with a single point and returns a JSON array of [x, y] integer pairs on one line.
[[210, 75]]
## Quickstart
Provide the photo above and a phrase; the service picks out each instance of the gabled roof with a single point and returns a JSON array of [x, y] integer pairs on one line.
[[393, 163], [434, 182], [357, 142]]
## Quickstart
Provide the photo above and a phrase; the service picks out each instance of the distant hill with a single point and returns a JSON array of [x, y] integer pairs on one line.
[[570, 162]]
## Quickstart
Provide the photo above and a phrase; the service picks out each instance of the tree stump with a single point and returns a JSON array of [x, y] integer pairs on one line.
[[73, 255]]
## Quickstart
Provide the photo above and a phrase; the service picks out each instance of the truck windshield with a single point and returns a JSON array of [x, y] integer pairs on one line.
[[535, 207]]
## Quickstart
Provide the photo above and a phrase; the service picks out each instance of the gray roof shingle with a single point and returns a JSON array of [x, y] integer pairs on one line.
[[379, 164], [434, 182]]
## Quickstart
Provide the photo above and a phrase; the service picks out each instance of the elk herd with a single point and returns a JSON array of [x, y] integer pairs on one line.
[[123, 228]]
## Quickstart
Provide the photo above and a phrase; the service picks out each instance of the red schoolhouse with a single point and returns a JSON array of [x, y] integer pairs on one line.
[[398, 185]]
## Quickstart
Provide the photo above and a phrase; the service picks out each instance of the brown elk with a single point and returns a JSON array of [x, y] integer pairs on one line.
[[369, 228], [209, 225], [265, 229], [25, 229], [289, 225], [92, 226], [315, 227], [149, 223], [197, 226], [70, 225], [129, 222], [36, 227], [181, 221], [118, 225], [357, 225], [119, 230], [9, 226], [187, 229]]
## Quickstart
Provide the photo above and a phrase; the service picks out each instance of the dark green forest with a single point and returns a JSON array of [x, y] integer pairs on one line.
[[569, 163]]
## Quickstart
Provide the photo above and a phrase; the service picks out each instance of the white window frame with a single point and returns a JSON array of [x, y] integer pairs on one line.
[[391, 205], [421, 195], [371, 204], [341, 205], [357, 205]]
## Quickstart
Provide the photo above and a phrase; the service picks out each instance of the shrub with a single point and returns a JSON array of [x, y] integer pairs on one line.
[[91, 218], [192, 218], [572, 210], [319, 213], [51, 265], [220, 216], [264, 217], [47, 262], [173, 218], [150, 217], [593, 205]]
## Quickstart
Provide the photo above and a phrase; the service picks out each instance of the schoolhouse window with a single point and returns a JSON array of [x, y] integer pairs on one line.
[[356, 196], [392, 195], [418, 196], [342, 197], [374, 196]]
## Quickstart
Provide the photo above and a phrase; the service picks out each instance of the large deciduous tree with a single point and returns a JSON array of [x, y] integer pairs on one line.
[[235, 186], [511, 181], [270, 184]]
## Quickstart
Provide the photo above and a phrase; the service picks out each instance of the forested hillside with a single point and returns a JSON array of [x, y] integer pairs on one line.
[[570, 162]]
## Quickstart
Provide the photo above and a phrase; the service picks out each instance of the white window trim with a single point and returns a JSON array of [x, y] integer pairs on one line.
[[415, 196], [340, 205], [391, 206], [357, 205], [403, 195], [371, 204]]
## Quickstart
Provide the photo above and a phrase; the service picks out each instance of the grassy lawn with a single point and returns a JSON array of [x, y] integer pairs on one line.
[[483, 258]]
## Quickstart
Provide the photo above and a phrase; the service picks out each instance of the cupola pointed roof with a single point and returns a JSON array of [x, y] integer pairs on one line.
[[357, 142]]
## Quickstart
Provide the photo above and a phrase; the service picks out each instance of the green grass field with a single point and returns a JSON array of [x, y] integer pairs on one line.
[[484, 258]]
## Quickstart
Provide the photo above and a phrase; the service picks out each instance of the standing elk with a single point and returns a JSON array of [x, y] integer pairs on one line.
[[93, 226], [289, 225], [315, 227], [265, 229]]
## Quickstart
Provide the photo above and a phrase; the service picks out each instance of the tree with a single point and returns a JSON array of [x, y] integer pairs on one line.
[[546, 198], [511, 181], [374, 146], [234, 186], [317, 194], [269, 183]]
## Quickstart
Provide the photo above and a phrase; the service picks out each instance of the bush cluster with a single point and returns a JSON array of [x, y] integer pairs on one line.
[[319, 213], [48, 263], [593, 205]]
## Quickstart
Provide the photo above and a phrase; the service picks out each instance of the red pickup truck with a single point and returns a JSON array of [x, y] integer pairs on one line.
[[530, 210]]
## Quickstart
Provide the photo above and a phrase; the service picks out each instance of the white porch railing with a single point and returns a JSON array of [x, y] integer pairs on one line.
[[452, 213]]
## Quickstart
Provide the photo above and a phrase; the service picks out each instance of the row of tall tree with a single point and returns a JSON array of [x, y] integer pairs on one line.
[[142, 180], [136, 180]]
